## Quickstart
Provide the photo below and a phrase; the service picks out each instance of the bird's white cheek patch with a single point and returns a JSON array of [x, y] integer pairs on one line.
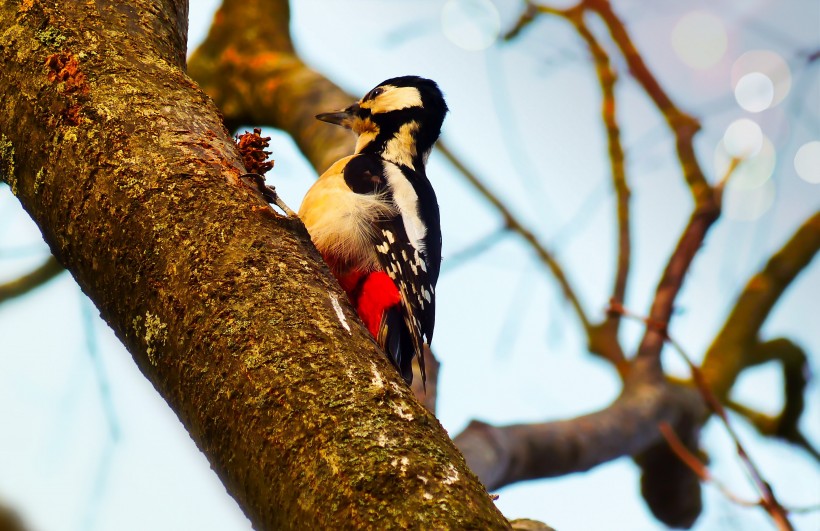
[[394, 99]]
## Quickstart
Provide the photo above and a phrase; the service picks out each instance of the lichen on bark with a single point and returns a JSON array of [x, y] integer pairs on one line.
[[127, 169]]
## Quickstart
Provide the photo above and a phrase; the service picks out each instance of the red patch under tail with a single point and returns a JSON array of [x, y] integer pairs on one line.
[[372, 294]]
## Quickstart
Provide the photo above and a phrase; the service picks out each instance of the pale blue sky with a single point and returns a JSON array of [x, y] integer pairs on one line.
[[88, 438]]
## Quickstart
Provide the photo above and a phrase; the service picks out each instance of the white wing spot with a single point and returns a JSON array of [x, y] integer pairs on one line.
[[421, 263]]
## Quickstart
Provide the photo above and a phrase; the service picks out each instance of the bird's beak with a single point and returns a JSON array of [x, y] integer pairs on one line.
[[344, 117]]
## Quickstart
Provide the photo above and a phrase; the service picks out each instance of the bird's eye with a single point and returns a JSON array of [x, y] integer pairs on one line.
[[375, 92]]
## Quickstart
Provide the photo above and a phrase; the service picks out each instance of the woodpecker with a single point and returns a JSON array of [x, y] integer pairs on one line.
[[374, 216]]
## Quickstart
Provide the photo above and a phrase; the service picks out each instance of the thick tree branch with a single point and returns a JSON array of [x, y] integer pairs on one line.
[[501, 455], [10, 520], [732, 348], [673, 277], [31, 280], [248, 66], [229, 311]]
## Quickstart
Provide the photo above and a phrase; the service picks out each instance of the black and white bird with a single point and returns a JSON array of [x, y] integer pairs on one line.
[[375, 219]]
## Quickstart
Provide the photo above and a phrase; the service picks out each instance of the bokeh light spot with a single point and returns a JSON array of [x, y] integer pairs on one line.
[[807, 162], [754, 92], [751, 172], [699, 38], [770, 65], [743, 138], [747, 204], [471, 24]]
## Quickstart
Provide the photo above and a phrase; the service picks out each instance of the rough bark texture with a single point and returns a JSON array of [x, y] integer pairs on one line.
[[227, 309], [247, 55], [234, 61]]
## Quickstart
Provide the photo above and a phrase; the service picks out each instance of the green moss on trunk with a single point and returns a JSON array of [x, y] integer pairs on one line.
[[127, 169]]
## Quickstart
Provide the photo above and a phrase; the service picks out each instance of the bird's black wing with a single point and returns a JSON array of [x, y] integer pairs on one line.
[[406, 265]]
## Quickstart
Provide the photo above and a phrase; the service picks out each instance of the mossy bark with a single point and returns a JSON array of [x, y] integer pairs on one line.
[[126, 167]]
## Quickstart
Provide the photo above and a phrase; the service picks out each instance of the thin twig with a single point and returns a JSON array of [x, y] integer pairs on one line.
[[767, 497], [35, 278], [682, 125], [471, 251], [770, 426], [698, 467], [607, 78], [513, 223]]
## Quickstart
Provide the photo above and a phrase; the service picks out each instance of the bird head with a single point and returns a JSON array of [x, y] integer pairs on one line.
[[399, 118]]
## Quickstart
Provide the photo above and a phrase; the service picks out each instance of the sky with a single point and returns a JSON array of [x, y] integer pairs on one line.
[[85, 435]]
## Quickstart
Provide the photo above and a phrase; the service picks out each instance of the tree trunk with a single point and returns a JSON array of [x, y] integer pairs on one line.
[[227, 309]]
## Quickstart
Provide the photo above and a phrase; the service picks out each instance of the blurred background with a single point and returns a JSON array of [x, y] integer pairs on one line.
[[87, 444]]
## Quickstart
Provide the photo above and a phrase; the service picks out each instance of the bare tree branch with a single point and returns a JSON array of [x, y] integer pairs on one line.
[[767, 497], [501, 455], [10, 520], [698, 467], [606, 79], [515, 225], [682, 125], [730, 351], [34, 279]]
